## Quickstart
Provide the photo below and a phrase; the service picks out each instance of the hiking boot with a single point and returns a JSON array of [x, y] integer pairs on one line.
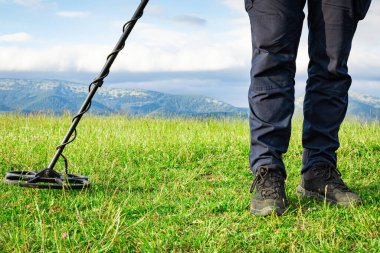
[[324, 182], [270, 192]]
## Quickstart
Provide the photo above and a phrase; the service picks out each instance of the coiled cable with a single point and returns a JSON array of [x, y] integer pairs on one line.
[[97, 82]]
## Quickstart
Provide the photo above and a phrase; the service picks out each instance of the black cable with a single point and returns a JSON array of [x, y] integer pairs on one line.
[[98, 82]]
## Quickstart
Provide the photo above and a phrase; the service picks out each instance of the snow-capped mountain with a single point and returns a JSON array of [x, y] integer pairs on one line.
[[359, 105], [57, 96]]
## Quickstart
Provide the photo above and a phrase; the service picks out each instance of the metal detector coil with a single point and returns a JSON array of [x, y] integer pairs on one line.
[[48, 178]]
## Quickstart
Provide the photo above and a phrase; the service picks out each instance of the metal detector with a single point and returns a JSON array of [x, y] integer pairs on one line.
[[48, 178]]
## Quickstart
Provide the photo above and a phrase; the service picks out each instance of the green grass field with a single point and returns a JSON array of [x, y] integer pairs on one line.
[[176, 185]]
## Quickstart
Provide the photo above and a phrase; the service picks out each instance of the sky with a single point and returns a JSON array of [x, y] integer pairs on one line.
[[179, 47]]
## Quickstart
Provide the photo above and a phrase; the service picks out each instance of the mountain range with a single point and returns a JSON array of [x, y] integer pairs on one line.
[[58, 96], [359, 106]]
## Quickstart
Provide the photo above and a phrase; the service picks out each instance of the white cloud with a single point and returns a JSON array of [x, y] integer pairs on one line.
[[35, 3], [157, 49], [192, 20], [237, 5], [55, 58], [153, 49], [72, 14], [15, 37], [28, 3], [154, 9]]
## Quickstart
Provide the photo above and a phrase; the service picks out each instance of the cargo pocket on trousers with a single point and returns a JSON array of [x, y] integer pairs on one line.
[[361, 8], [274, 33]]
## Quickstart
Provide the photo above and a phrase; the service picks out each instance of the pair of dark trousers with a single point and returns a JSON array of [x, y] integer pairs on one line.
[[276, 27]]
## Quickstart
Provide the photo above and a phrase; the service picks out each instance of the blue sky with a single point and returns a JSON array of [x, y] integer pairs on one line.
[[179, 47]]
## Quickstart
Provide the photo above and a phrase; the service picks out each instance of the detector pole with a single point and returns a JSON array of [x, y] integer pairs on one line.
[[48, 178], [98, 82]]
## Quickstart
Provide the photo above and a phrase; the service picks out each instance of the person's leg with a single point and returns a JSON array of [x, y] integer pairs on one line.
[[331, 29], [276, 27]]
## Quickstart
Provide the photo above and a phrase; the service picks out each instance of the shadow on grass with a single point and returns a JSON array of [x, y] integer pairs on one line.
[[370, 193]]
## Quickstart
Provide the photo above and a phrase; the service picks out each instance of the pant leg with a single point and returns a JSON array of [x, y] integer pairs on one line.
[[276, 27], [331, 29]]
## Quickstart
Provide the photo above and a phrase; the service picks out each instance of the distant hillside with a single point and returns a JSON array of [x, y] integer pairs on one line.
[[57, 96], [361, 106]]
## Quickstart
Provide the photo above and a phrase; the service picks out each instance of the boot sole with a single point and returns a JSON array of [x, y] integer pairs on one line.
[[315, 195]]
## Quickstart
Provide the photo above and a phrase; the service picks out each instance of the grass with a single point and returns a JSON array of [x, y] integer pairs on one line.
[[176, 185]]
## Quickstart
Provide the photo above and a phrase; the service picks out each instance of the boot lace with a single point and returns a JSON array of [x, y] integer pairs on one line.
[[268, 182], [332, 176]]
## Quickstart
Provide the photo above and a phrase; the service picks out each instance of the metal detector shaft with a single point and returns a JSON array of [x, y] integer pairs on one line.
[[99, 80]]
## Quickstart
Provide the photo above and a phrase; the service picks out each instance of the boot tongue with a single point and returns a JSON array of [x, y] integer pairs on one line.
[[267, 181], [332, 175], [272, 183], [337, 180]]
